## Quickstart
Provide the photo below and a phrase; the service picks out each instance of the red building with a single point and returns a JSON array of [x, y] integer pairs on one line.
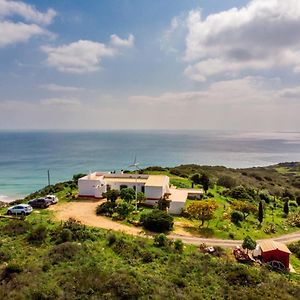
[[275, 251]]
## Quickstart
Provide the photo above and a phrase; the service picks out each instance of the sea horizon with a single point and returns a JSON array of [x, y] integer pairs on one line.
[[25, 156]]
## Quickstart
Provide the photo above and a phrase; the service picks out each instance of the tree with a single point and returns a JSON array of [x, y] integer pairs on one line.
[[141, 197], [204, 180], [244, 207], [248, 243], [286, 207], [164, 202], [260, 212], [196, 179], [202, 210], [127, 194], [112, 195]]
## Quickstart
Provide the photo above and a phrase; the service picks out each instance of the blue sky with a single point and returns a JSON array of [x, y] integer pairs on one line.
[[168, 64]]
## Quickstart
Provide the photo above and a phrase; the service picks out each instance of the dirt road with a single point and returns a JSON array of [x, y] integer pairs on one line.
[[84, 211]]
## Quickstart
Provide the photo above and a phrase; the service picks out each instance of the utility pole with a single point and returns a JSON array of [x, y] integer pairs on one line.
[[48, 172]]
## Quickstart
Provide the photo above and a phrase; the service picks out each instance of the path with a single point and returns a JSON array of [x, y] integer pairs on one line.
[[84, 211]]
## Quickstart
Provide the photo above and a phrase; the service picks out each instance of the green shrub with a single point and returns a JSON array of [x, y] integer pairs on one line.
[[111, 238], [64, 252], [270, 228], [226, 181], [79, 232], [64, 235], [127, 194], [295, 248], [15, 227], [236, 217], [106, 208], [157, 221], [161, 240], [178, 245], [38, 234], [123, 209], [123, 285]]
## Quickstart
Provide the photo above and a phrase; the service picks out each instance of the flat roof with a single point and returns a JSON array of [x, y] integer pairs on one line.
[[148, 180], [125, 180], [156, 180], [269, 245]]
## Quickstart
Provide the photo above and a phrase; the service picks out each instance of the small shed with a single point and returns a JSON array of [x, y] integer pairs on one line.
[[275, 251]]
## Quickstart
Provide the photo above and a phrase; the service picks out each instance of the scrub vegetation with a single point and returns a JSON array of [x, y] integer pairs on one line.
[[40, 259]]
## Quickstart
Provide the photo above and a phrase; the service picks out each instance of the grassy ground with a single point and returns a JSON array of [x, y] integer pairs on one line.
[[222, 227]]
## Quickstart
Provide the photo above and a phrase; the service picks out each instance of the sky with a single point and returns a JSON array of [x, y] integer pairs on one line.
[[137, 64]]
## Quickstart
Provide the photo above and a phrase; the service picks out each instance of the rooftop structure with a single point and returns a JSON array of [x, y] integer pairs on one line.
[[98, 183]]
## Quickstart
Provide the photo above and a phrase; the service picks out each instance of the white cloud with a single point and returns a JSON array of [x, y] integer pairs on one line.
[[264, 34], [118, 42], [245, 91], [52, 87], [16, 32], [11, 33], [61, 102], [78, 57], [28, 12]]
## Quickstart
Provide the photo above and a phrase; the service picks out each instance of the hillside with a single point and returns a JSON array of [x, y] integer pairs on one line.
[[276, 178], [43, 260]]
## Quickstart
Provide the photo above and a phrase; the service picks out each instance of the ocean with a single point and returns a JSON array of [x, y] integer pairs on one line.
[[25, 157]]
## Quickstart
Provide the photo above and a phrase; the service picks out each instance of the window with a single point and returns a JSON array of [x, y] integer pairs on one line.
[[143, 189], [123, 186], [134, 187], [108, 187]]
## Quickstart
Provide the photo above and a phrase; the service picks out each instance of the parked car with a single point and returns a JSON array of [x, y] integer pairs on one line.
[[52, 198], [20, 209], [40, 203]]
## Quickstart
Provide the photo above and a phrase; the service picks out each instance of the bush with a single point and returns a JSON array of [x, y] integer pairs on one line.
[[15, 227], [38, 234], [123, 209], [65, 235], [295, 248], [294, 220], [157, 221], [79, 232], [123, 285], [106, 208], [240, 192], [178, 246], [111, 239], [112, 195], [226, 181], [236, 217], [63, 252], [293, 204], [270, 228], [127, 194], [161, 240]]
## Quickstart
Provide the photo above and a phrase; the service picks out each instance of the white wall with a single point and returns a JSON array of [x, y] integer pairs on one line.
[[176, 207], [87, 187], [153, 192]]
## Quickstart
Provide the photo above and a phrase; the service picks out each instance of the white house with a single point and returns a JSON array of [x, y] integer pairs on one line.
[[95, 184], [153, 186]]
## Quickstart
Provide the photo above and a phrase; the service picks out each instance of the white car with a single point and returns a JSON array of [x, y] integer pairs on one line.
[[20, 209], [52, 199]]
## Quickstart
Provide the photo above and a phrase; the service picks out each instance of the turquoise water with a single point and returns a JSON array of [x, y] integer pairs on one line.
[[25, 157]]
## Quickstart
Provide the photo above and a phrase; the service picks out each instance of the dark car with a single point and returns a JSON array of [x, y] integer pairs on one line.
[[39, 203]]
